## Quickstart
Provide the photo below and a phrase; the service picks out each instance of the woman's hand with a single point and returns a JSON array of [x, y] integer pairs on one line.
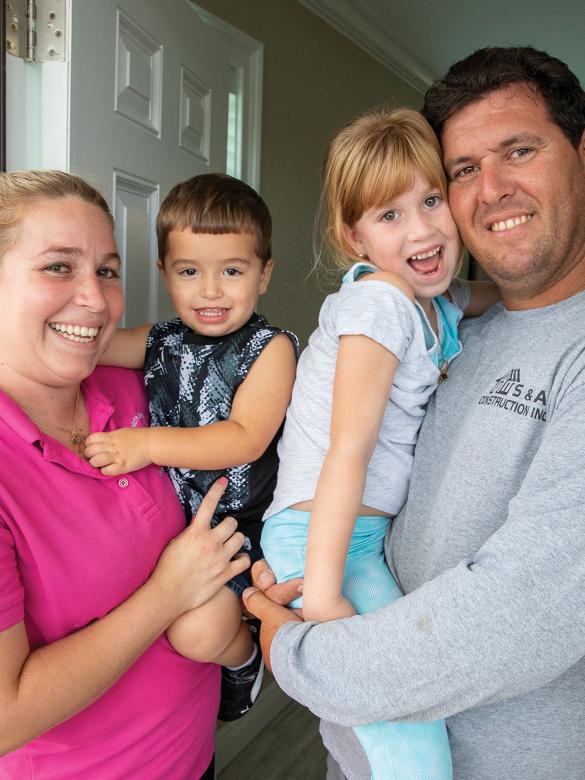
[[198, 562], [266, 599]]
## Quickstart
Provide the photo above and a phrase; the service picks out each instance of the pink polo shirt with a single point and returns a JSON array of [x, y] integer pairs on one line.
[[73, 545]]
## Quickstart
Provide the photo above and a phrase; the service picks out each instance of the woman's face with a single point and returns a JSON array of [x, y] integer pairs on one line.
[[60, 294]]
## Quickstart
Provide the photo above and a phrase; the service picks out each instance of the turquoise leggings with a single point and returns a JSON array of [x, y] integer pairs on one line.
[[395, 750]]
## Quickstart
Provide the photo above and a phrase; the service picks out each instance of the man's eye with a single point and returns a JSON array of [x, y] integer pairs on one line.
[[522, 152], [461, 173]]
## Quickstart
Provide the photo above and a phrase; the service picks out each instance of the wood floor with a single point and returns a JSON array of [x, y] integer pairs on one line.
[[289, 748]]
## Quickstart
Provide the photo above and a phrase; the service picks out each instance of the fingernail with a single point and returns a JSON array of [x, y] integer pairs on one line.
[[266, 577], [248, 592], [223, 480]]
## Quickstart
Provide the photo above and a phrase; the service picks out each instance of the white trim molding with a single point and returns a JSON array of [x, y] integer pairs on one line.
[[357, 25]]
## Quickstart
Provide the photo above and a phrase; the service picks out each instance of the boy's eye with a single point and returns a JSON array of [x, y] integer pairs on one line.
[[432, 201], [188, 272], [232, 272]]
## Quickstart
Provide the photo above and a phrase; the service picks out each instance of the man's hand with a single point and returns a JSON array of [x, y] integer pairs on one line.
[[266, 599], [118, 452]]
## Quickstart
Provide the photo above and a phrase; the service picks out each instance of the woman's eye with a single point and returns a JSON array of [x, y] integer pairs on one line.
[[108, 273], [58, 268], [389, 216]]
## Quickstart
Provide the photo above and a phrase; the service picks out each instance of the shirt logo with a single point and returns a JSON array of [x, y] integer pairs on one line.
[[138, 421], [512, 395]]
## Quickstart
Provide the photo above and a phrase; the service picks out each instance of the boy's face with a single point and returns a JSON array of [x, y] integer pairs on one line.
[[214, 281]]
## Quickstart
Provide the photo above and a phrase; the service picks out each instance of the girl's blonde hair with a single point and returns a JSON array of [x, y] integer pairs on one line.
[[370, 161], [22, 190]]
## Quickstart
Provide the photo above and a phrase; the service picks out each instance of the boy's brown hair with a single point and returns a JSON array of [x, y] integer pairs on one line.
[[215, 203]]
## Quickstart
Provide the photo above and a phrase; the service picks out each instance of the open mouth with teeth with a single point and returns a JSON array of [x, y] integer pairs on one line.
[[508, 224], [212, 315], [78, 333], [428, 263]]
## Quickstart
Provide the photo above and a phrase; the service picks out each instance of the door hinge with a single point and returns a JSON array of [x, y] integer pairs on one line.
[[35, 29]]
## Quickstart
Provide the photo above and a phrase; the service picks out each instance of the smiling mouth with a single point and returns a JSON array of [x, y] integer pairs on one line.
[[81, 334], [508, 224], [427, 263], [211, 314]]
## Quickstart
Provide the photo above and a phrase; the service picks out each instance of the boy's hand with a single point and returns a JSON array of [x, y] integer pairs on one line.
[[118, 452]]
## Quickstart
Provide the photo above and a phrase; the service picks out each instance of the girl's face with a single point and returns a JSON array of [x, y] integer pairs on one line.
[[414, 236], [60, 294]]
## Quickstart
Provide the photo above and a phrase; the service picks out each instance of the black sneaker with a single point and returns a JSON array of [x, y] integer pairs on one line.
[[240, 687]]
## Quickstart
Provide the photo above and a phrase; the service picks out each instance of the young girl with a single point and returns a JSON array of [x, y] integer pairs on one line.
[[219, 379], [383, 342]]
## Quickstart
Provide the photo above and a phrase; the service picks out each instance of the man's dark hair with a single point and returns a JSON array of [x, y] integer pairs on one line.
[[493, 68]]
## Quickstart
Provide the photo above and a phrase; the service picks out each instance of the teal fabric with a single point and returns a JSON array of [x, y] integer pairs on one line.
[[395, 750]]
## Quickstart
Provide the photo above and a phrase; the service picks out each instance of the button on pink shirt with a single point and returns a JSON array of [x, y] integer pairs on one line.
[[73, 545]]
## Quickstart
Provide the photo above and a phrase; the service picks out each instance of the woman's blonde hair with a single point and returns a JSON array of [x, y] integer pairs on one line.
[[370, 161], [21, 190]]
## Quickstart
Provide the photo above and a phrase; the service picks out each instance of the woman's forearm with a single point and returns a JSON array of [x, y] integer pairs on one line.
[[62, 678]]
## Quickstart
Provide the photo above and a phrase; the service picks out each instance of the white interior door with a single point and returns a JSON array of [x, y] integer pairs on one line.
[[148, 107]]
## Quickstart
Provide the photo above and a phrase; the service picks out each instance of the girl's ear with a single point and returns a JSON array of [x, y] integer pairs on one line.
[[352, 238]]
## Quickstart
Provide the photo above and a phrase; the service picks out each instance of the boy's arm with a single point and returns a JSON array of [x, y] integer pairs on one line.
[[363, 381], [483, 295], [126, 348], [258, 410]]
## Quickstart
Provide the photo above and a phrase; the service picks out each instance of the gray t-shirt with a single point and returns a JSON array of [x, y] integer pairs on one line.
[[491, 550], [383, 313]]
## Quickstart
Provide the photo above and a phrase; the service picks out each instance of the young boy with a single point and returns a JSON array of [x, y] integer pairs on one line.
[[219, 380]]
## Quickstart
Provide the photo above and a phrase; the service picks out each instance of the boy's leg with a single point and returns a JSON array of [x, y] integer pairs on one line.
[[214, 632]]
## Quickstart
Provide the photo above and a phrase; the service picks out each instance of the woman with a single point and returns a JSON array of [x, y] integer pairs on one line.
[[89, 685]]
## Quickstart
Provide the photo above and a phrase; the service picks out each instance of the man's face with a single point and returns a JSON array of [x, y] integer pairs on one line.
[[517, 192]]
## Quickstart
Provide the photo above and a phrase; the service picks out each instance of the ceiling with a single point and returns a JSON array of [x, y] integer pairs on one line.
[[419, 39]]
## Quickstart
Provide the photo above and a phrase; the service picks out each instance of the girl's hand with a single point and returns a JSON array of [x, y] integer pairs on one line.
[[198, 562], [118, 452]]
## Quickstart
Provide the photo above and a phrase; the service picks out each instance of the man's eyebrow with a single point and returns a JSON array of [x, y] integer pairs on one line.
[[506, 143]]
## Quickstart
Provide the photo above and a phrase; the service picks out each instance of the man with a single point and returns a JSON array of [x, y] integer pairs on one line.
[[491, 545]]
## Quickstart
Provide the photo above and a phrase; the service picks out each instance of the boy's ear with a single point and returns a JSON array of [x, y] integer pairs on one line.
[[163, 272], [351, 236], [265, 276]]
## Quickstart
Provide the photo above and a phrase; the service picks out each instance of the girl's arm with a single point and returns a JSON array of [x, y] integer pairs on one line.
[[127, 348], [363, 380], [42, 688], [483, 296], [257, 413]]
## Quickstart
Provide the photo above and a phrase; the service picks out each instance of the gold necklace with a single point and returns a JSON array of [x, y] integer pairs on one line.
[[77, 437]]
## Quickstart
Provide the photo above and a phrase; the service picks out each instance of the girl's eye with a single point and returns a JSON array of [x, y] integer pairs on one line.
[[389, 216], [108, 273], [432, 201], [232, 272]]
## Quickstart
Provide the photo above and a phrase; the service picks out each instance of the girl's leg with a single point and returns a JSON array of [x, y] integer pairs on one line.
[[396, 750], [214, 632]]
